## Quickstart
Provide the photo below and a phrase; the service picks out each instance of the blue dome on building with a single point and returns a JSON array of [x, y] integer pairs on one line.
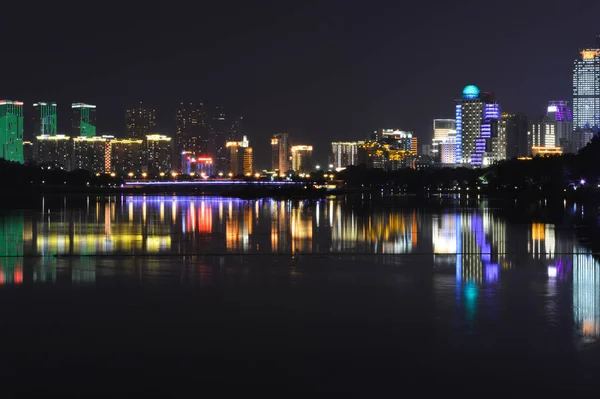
[[470, 91]]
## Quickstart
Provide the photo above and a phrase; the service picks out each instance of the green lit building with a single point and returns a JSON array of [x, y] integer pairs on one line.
[[84, 120], [11, 130], [45, 124]]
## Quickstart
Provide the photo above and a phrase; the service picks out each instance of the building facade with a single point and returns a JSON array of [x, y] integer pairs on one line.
[[280, 152], [83, 121], [159, 154], [219, 136], [53, 151], [89, 153], [344, 154], [517, 134], [127, 156], [46, 123], [239, 157], [586, 90], [447, 152], [477, 116], [559, 113], [11, 131], [192, 130], [200, 166], [140, 121], [397, 139], [28, 151], [442, 128], [302, 158], [543, 133]]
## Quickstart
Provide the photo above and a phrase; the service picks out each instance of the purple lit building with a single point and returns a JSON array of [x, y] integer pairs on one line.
[[477, 116], [560, 114]]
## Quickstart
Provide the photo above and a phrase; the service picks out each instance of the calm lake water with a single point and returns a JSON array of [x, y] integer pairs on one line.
[[166, 294]]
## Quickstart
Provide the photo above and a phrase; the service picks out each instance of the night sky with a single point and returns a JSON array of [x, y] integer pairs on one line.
[[322, 70]]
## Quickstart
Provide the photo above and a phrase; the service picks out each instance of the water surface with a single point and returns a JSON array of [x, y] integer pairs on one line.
[[338, 295]]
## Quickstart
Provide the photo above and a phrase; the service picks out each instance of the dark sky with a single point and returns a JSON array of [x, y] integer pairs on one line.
[[322, 70]]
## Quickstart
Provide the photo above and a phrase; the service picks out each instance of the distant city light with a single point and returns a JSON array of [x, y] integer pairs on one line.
[[552, 271]]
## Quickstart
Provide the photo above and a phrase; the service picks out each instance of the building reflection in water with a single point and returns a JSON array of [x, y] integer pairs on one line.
[[542, 241], [586, 293], [13, 233], [384, 232], [473, 242]]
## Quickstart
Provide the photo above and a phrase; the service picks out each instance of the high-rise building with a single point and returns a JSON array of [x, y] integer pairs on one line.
[[477, 116], [53, 151], [498, 144], [140, 121], [280, 152], [248, 161], [83, 121], [586, 89], [127, 156], [517, 134], [302, 158], [344, 154], [442, 130], [45, 123], [192, 131], [220, 134], [89, 153], [560, 114], [11, 131], [158, 153], [240, 157]]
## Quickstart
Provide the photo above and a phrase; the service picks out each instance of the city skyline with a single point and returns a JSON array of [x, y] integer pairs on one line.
[[272, 69]]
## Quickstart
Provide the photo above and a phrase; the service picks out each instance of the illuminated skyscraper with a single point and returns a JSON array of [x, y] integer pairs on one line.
[[140, 121], [280, 152], [560, 114], [53, 150], [302, 158], [586, 90], [240, 157], [477, 116], [344, 154], [46, 123], [158, 152], [192, 130], [248, 161], [84, 120], [89, 154], [11, 130]]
